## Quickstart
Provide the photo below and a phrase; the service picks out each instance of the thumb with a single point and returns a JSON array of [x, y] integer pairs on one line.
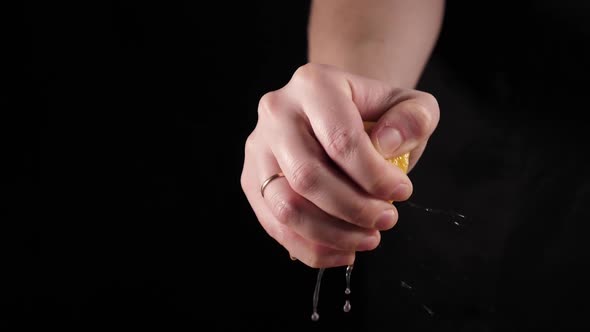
[[405, 118], [406, 126]]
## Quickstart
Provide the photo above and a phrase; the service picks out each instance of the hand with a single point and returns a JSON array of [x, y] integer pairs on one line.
[[333, 198]]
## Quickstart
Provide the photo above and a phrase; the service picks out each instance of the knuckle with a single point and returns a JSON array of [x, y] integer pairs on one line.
[[310, 75], [243, 181], [305, 177], [250, 144], [307, 72], [269, 104], [342, 143], [419, 120], [249, 148]]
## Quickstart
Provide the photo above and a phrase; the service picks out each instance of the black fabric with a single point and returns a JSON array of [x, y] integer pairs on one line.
[[123, 126]]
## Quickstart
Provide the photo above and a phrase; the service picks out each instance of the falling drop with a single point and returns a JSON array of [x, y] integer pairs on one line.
[[428, 310], [348, 273], [346, 306], [316, 295], [454, 218], [315, 317], [347, 290], [405, 285]]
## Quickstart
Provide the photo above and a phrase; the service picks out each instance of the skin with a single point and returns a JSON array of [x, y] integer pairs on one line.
[[364, 59]]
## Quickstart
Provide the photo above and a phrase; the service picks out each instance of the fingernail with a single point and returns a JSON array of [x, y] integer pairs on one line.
[[401, 192], [369, 243], [388, 139], [386, 220]]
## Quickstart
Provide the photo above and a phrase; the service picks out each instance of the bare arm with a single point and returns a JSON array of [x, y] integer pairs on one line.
[[389, 40]]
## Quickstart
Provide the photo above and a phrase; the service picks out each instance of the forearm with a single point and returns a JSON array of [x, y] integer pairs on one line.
[[390, 40]]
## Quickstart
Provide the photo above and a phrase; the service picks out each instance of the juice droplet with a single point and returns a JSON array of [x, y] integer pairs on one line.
[[348, 273], [347, 291], [346, 306], [316, 295], [315, 316]]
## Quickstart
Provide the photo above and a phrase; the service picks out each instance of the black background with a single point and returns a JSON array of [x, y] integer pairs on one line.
[[123, 125]]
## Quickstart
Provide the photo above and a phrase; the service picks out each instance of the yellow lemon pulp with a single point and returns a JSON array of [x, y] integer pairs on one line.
[[403, 161]]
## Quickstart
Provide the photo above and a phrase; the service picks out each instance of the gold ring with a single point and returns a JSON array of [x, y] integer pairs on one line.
[[267, 181]]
